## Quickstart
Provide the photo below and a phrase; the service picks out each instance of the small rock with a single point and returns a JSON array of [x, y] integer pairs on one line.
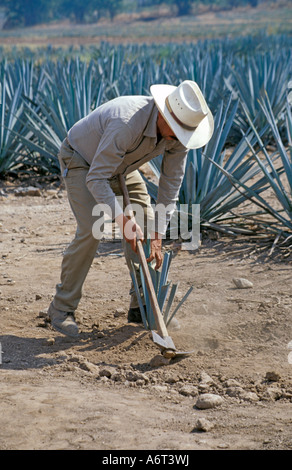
[[89, 367], [49, 342], [118, 377], [273, 376], [158, 361], [29, 191], [208, 400], [204, 388], [205, 382], [129, 384], [205, 378], [38, 297], [140, 382], [249, 396], [271, 394], [232, 383], [287, 395], [43, 314], [160, 388], [133, 376], [172, 379], [242, 283], [106, 372], [223, 446], [119, 312], [234, 391], [237, 391], [84, 364], [51, 192], [104, 379], [188, 390], [203, 424], [62, 356]]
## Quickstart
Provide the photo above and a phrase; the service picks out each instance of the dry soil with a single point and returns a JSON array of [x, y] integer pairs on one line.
[[103, 391]]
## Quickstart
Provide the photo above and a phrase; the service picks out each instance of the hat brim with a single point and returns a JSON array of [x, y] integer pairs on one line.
[[191, 139]]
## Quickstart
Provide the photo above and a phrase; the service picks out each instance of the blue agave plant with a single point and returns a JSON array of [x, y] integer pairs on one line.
[[165, 292]]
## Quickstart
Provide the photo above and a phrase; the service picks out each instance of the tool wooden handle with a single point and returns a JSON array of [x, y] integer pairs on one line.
[[161, 328]]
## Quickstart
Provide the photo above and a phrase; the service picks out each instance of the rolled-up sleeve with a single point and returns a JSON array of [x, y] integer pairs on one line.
[[171, 177], [115, 141]]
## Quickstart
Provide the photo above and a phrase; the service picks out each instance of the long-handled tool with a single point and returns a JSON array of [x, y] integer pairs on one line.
[[161, 338]]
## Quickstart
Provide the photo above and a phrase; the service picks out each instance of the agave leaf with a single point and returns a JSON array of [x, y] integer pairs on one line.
[[179, 305], [274, 177], [267, 109], [249, 193], [149, 312], [256, 75], [171, 297], [10, 127], [164, 271], [162, 296]]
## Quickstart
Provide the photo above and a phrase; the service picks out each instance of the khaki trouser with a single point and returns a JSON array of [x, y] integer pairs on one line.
[[80, 253]]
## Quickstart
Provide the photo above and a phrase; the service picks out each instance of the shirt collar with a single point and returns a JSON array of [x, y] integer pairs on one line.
[[151, 130]]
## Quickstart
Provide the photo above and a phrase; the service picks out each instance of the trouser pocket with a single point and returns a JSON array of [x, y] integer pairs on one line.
[[70, 159]]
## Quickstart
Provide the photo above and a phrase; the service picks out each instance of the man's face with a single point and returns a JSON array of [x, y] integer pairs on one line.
[[164, 130]]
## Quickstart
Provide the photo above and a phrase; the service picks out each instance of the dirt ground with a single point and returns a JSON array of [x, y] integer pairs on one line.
[[103, 391]]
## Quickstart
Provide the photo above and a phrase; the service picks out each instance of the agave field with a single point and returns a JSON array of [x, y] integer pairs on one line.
[[246, 81]]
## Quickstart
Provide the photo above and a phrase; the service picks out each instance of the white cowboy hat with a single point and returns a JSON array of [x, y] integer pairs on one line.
[[186, 112]]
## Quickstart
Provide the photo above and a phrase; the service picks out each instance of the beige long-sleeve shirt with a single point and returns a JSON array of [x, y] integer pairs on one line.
[[119, 137]]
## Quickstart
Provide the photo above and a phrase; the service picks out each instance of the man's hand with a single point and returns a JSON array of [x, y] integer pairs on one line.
[[155, 250], [131, 231]]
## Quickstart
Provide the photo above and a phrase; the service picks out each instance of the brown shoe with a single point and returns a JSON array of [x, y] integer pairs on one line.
[[63, 322], [134, 315]]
